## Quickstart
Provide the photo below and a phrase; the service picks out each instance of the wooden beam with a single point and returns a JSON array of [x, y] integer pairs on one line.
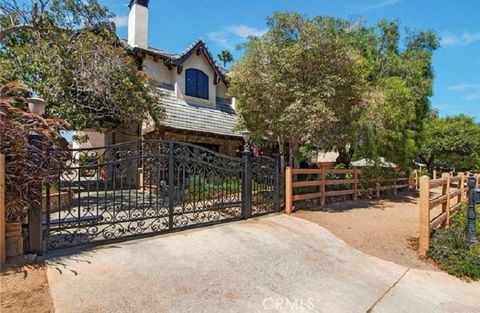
[[305, 171], [424, 203], [322, 177], [307, 183], [179, 69], [437, 182], [438, 200], [437, 221], [463, 195], [446, 206], [307, 196], [355, 184], [339, 192], [339, 181], [288, 190]]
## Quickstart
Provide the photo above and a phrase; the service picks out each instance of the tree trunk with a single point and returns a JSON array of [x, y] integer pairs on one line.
[[345, 156], [429, 163], [290, 155]]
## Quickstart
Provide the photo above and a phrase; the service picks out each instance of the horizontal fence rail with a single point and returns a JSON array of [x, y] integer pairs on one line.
[[320, 184], [439, 198]]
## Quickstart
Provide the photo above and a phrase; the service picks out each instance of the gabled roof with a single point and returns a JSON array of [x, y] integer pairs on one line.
[[180, 114], [177, 59]]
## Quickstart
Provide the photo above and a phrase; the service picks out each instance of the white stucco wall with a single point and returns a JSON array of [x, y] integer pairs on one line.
[[158, 70], [95, 139], [330, 156], [222, 90], [101, 139]]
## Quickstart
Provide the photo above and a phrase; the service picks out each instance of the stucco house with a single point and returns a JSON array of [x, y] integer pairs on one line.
[[193, 86]]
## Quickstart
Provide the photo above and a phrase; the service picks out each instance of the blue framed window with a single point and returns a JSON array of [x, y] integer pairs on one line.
[[196, 83]]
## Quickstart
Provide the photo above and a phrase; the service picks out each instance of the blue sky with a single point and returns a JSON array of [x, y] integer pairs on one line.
[[174, 24]]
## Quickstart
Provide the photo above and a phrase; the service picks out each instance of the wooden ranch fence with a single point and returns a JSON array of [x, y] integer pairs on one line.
[[439, 198], [349, 185]]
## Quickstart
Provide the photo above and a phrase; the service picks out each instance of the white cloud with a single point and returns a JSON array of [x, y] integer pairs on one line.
[[470, 91], [121, 21], [221, 38], [464, 39], [472, 96], [448, 40], [382, 4], [471, 37], [244, 31], [463, 87], [229, 36]]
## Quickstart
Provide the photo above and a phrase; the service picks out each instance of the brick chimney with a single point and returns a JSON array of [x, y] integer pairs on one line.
[[138, 24]]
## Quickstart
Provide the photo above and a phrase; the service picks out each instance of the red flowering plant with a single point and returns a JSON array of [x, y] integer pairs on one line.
[[25, 164]]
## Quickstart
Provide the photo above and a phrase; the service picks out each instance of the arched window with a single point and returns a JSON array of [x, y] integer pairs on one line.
[[196, 83]]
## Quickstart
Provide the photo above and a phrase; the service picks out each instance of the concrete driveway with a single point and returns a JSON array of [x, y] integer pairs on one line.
[[271, 264]]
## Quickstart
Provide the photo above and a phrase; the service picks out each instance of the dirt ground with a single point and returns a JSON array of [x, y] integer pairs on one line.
[[24, 290], [387, 229]]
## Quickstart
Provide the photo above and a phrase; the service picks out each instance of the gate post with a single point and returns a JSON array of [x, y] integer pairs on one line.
[[276, 178], [471, 213], [247, 184], [171, 183], [35, 231]]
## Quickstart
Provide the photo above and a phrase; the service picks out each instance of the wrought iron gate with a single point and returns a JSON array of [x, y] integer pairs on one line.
[[146, 187]]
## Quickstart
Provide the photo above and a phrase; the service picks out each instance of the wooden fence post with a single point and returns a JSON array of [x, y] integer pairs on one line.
[[288, 190], [355, 184], [3, 251], [477, 181], [446, 191], [424, 203], [395, 184], [416, 180], [323, 189], [434, 174], [462, 196]]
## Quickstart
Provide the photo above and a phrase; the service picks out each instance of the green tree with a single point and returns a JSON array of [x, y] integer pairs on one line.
[[297, 82], [226, 57], [451, 143], [337, 84], [400, 84], [67, 52]]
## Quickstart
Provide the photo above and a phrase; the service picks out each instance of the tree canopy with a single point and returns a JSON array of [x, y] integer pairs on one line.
[[67, 53], [295, 83], [451, 143], [337, 84]]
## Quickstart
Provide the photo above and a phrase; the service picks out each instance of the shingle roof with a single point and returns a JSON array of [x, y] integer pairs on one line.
[[179, 58], [220, 120]]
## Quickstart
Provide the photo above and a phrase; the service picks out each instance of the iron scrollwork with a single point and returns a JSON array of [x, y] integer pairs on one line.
[[137, 188]]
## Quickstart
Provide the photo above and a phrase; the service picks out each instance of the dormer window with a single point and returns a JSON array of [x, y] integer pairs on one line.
[[196, 83]]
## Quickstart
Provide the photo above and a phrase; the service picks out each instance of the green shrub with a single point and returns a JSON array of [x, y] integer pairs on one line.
[[450, 250], [202, 188]]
